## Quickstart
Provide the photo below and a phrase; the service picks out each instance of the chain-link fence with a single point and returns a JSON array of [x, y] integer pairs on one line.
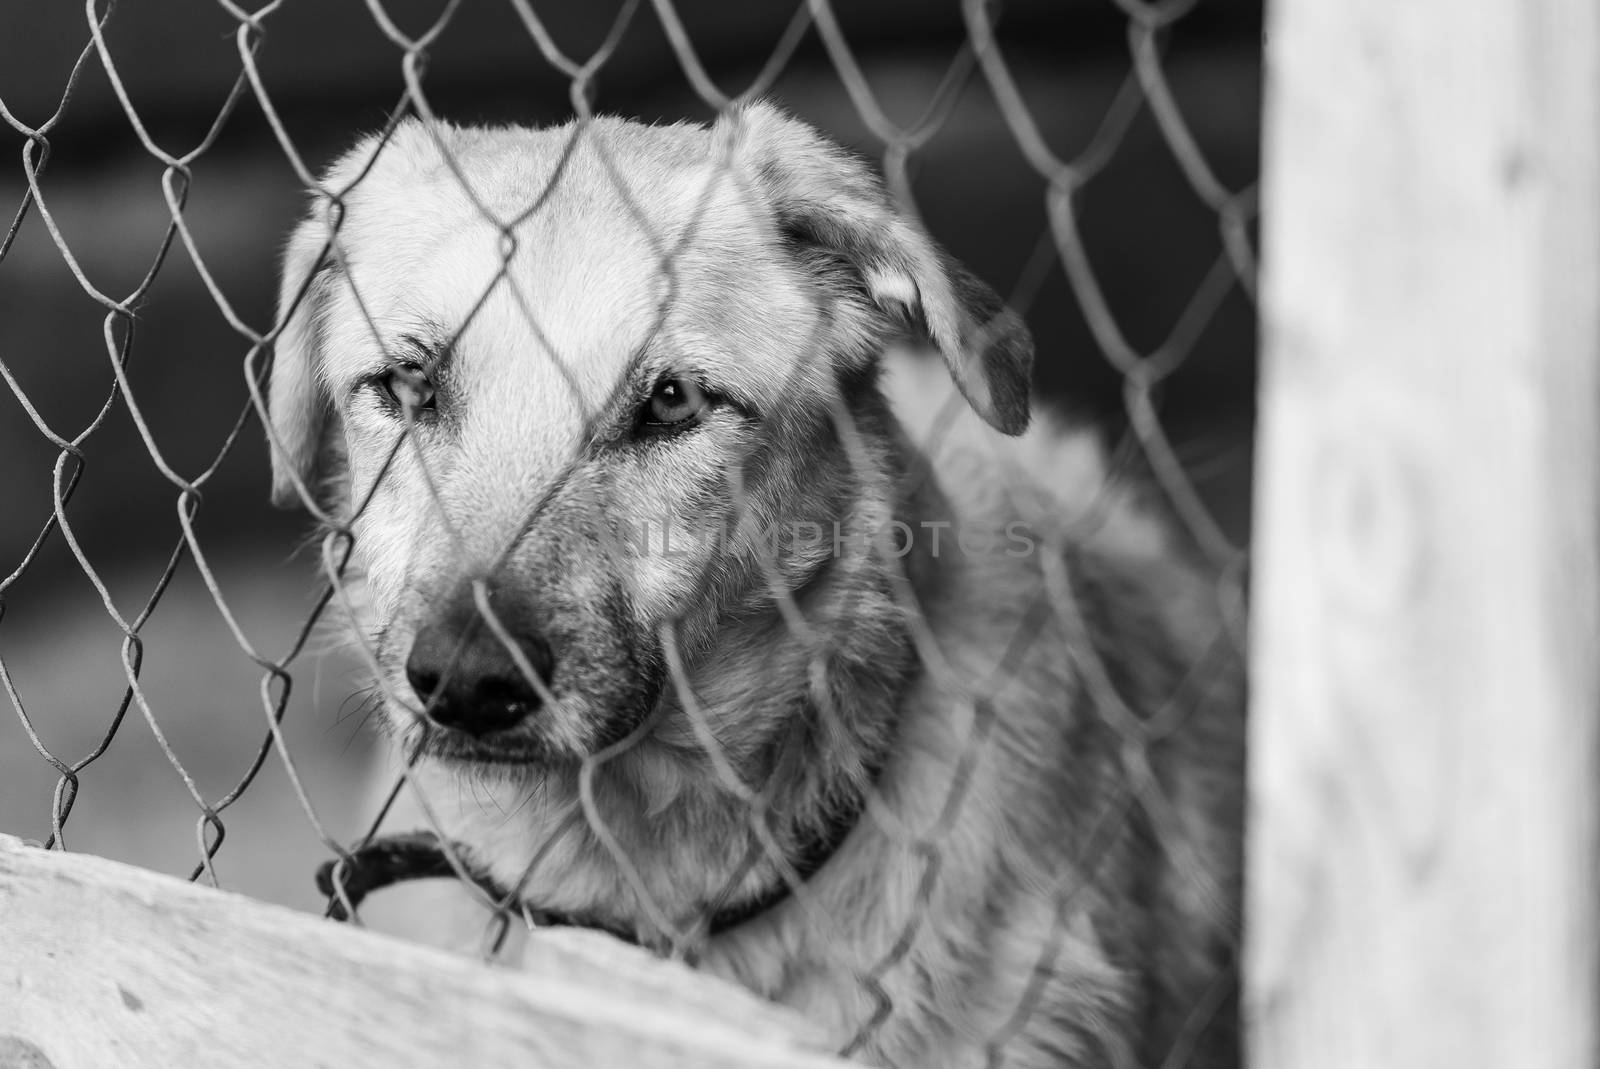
[[979, 804]]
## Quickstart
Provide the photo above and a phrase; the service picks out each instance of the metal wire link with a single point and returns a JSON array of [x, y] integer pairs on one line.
[[1146, 447]]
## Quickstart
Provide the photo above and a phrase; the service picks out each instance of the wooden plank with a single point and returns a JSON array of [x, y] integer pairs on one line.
[[1423, 743], [104, 964]]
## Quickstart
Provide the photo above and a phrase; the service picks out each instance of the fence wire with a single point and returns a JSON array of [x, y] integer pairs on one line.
[[1134, 724]]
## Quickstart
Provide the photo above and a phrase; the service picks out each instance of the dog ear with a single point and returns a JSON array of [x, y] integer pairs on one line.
[[297, 405], [824, 197]]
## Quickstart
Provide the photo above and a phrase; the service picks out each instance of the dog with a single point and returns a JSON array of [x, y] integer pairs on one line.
[[647, 437]]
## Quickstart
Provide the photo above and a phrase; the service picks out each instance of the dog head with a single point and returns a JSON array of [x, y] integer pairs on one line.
[[564, 385]]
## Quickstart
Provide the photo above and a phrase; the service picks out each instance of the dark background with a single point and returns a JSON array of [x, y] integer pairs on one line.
[[331, 73]]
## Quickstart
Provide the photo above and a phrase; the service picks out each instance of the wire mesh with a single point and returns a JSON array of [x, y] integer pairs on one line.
[[1133, 704]]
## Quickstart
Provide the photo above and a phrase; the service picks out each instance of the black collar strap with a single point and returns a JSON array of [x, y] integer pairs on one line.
[[383, 861]]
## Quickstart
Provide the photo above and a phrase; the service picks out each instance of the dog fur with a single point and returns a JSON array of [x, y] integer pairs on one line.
[[1026, 760]]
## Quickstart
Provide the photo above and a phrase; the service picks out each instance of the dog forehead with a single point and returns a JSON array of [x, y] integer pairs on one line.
[[558, 260], [423, 181]]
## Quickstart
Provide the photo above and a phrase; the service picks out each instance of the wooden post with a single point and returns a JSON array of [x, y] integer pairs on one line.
[[103, 964], [1423, 877]]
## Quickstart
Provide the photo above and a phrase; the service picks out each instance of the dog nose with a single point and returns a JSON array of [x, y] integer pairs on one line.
[[467, 678]]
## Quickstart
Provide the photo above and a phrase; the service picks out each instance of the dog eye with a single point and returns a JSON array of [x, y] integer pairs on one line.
[[408, 387], [675, 402]]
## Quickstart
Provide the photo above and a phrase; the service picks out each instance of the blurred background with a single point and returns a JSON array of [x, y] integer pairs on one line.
[[332, 73]]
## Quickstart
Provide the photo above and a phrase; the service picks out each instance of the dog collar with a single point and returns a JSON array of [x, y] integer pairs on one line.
[[387, 860]]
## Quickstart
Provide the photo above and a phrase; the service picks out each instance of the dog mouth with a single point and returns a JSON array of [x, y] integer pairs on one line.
[[452, 748]]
